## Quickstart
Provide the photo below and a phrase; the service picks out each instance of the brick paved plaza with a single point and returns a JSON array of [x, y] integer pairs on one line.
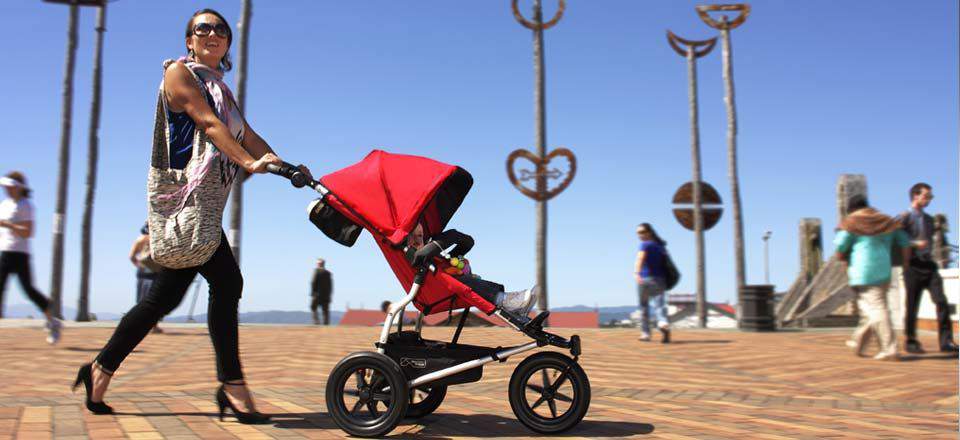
[[708, 384]]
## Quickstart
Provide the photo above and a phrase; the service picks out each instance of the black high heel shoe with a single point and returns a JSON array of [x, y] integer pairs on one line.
[[250, 418], [85, 376]]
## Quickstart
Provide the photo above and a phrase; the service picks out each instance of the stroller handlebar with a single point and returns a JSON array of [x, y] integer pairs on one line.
[[296, 177]]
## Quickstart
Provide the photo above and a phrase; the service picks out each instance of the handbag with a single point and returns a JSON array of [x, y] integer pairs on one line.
[[185, 207], [671, 274]]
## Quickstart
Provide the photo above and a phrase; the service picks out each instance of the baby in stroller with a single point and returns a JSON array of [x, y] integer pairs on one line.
[[453, 245]]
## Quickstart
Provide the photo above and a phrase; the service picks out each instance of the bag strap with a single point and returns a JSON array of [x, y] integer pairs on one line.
[[160, 156]]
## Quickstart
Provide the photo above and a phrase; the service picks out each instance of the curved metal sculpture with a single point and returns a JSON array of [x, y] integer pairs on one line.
[[533, 26], [700, 47], [704, 10]]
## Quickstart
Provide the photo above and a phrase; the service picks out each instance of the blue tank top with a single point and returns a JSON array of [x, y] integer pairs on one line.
[[182, 129]]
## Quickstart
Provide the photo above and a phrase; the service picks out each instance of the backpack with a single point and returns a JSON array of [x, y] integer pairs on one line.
[[671, 274]]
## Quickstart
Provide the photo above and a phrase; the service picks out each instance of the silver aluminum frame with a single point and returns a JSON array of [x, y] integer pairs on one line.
[[397, 309]]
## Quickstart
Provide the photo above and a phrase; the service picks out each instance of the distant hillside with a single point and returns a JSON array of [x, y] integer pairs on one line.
[[606, 313], [268, 317], [31, 311]]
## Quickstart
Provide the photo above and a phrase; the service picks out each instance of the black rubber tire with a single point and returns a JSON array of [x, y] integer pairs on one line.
[[576, 381], [429, 404], [343, 380]]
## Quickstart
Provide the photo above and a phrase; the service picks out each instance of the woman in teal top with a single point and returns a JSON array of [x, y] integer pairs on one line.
[[865, 241]]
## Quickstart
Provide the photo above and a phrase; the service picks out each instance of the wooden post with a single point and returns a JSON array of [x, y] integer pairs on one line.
[[724, 26], [692, 51], [540, 122], [236, 193], [63, 172], [93, 152]]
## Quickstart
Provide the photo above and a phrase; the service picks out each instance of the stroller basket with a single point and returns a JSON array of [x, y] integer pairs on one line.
[[417, 357]]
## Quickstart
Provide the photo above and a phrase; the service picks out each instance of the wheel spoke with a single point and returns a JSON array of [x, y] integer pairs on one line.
[[562, 398], [356, 408], [553, 407], [559, 382], [361, 382], [545, 377], [381, 397], [538, 402], [372, 406], [536, 388], [375, 380], [353, 393]]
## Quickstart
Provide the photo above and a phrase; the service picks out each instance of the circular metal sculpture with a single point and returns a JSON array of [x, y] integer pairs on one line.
[[743, 9], [711, 210], [541, 171], [534, 26]]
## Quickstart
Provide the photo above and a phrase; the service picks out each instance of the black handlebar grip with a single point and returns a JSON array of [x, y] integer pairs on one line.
[[297, 178]]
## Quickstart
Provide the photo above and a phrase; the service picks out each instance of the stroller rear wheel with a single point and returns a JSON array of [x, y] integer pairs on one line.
[[425, 399], [367, 394], [549, 392]]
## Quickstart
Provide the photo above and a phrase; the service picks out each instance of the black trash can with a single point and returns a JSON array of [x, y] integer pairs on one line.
[[756, 308]]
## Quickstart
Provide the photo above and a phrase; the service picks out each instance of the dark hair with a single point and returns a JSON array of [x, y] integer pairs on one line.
[[653, 234], [918, 188], [19, 177], [856, 202], [225, 64]]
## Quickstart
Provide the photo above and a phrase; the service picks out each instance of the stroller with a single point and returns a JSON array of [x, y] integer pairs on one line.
[[369, 392]]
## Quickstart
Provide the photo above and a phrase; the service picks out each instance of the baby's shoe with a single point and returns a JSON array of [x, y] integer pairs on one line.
[[519, 302]]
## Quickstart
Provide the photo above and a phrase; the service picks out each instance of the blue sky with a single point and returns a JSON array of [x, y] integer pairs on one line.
[[823, 88]]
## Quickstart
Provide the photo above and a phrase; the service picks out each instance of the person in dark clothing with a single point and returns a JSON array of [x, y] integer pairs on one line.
[[923, 272], [321, 290], [146, 268]]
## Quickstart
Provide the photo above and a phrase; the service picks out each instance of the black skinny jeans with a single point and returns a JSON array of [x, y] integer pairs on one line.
[[168, 290], [19, 263]]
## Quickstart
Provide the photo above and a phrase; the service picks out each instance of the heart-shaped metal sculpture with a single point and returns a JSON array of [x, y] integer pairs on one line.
[[540, 164]]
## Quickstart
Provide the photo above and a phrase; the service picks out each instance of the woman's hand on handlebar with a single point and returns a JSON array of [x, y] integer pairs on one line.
[[259, 166]]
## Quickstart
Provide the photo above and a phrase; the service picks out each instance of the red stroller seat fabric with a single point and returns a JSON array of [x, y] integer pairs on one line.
[[388, 194]]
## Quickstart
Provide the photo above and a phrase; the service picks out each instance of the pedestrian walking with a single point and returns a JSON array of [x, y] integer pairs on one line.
[[865, 241], [16, 230], [198, 124], [923, 272], [146, 268], [650, 275], [321, 292]]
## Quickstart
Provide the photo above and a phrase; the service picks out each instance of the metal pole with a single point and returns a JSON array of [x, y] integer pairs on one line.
[[697, 195], [236, 194], [83, 308], [540, 121], [732, 171], [766, 257], [56, 275]]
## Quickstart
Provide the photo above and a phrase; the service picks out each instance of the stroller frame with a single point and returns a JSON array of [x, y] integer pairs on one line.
[[404, 363], [532, 328]]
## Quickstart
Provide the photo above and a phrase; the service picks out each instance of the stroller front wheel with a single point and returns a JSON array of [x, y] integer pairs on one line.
[[549, 392], [367, 394]]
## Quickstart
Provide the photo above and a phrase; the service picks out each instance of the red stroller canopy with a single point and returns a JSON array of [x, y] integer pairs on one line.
[[388, 193]]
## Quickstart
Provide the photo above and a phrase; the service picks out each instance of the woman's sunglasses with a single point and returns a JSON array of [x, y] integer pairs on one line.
[[204, 29]]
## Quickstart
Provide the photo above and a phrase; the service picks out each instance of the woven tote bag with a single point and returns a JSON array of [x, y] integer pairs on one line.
[[185, 207]]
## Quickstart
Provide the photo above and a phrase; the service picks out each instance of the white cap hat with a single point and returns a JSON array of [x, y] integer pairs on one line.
[[9, 182]]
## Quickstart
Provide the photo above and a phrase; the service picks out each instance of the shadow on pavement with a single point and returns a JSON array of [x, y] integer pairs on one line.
[[945, 356], [445, 426], [704, 341]]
